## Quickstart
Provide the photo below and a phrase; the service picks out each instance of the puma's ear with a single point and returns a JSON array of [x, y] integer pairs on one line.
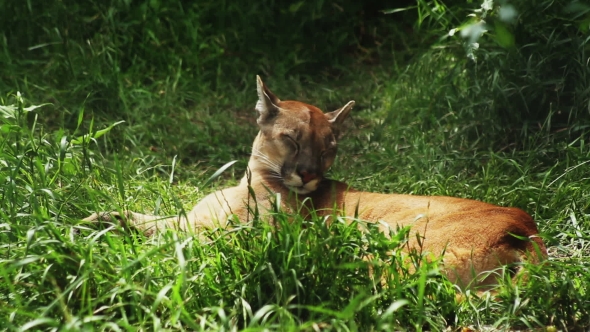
[[267, 102], [338, 116]]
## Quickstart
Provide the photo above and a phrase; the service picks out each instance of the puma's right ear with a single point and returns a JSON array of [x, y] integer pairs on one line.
[[267, 102], [337, 117]]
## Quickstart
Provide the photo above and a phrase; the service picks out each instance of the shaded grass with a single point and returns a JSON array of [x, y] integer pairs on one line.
[[441, 125]]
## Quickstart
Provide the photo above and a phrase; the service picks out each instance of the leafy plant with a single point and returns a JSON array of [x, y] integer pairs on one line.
[[507, 126]]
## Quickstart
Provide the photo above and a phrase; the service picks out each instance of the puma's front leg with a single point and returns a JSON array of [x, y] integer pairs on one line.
[[147, 224], [215, 209]]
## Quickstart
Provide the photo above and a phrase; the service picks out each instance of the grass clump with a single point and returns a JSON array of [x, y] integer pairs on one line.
[[506, 126], [502, 68], [60, 273]]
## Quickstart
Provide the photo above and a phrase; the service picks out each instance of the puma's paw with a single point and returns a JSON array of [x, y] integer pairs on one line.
[[127, 219], [122, 219], [108, 216]]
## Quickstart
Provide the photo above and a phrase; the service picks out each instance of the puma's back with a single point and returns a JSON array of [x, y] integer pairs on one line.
[[294, 148], [476, 238]]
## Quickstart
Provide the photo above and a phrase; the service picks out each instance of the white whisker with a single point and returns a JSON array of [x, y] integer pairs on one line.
[[271, 167], [274, 166]]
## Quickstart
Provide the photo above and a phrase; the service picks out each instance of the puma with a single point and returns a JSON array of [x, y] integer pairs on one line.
[[297, 144]]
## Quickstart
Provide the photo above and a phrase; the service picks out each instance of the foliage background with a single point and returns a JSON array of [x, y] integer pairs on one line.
[[505, 121]]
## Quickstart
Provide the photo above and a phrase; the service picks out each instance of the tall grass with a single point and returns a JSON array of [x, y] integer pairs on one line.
[[508, 128], [524, 66], [59, 273]]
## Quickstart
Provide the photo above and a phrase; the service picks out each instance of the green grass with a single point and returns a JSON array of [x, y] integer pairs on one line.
[[63, 273], [428, 121]]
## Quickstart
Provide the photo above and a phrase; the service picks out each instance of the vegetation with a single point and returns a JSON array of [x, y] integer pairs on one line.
[[134, 105]]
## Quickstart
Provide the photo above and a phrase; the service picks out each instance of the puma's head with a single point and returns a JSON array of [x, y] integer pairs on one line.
[[296, 144]]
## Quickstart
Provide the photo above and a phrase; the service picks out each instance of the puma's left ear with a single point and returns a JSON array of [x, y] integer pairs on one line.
[[267, 102], [338, 116]]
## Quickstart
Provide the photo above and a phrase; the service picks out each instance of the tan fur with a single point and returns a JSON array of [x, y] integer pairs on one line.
[[297, 144]]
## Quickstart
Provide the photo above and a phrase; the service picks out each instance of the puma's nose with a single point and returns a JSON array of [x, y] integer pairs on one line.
[[306, 176]]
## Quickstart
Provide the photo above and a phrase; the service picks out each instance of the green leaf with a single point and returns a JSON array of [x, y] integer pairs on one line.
[[8, 111], [296, 6], [218, 172], [34, 107], [99, 133], [504, 37], [397, 10]]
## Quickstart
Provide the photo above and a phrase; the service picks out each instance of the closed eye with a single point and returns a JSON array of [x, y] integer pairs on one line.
[[293, 142], [329, 153]]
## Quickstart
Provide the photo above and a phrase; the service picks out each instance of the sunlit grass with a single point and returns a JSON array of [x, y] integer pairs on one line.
[[506, 130], [60, 272]]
